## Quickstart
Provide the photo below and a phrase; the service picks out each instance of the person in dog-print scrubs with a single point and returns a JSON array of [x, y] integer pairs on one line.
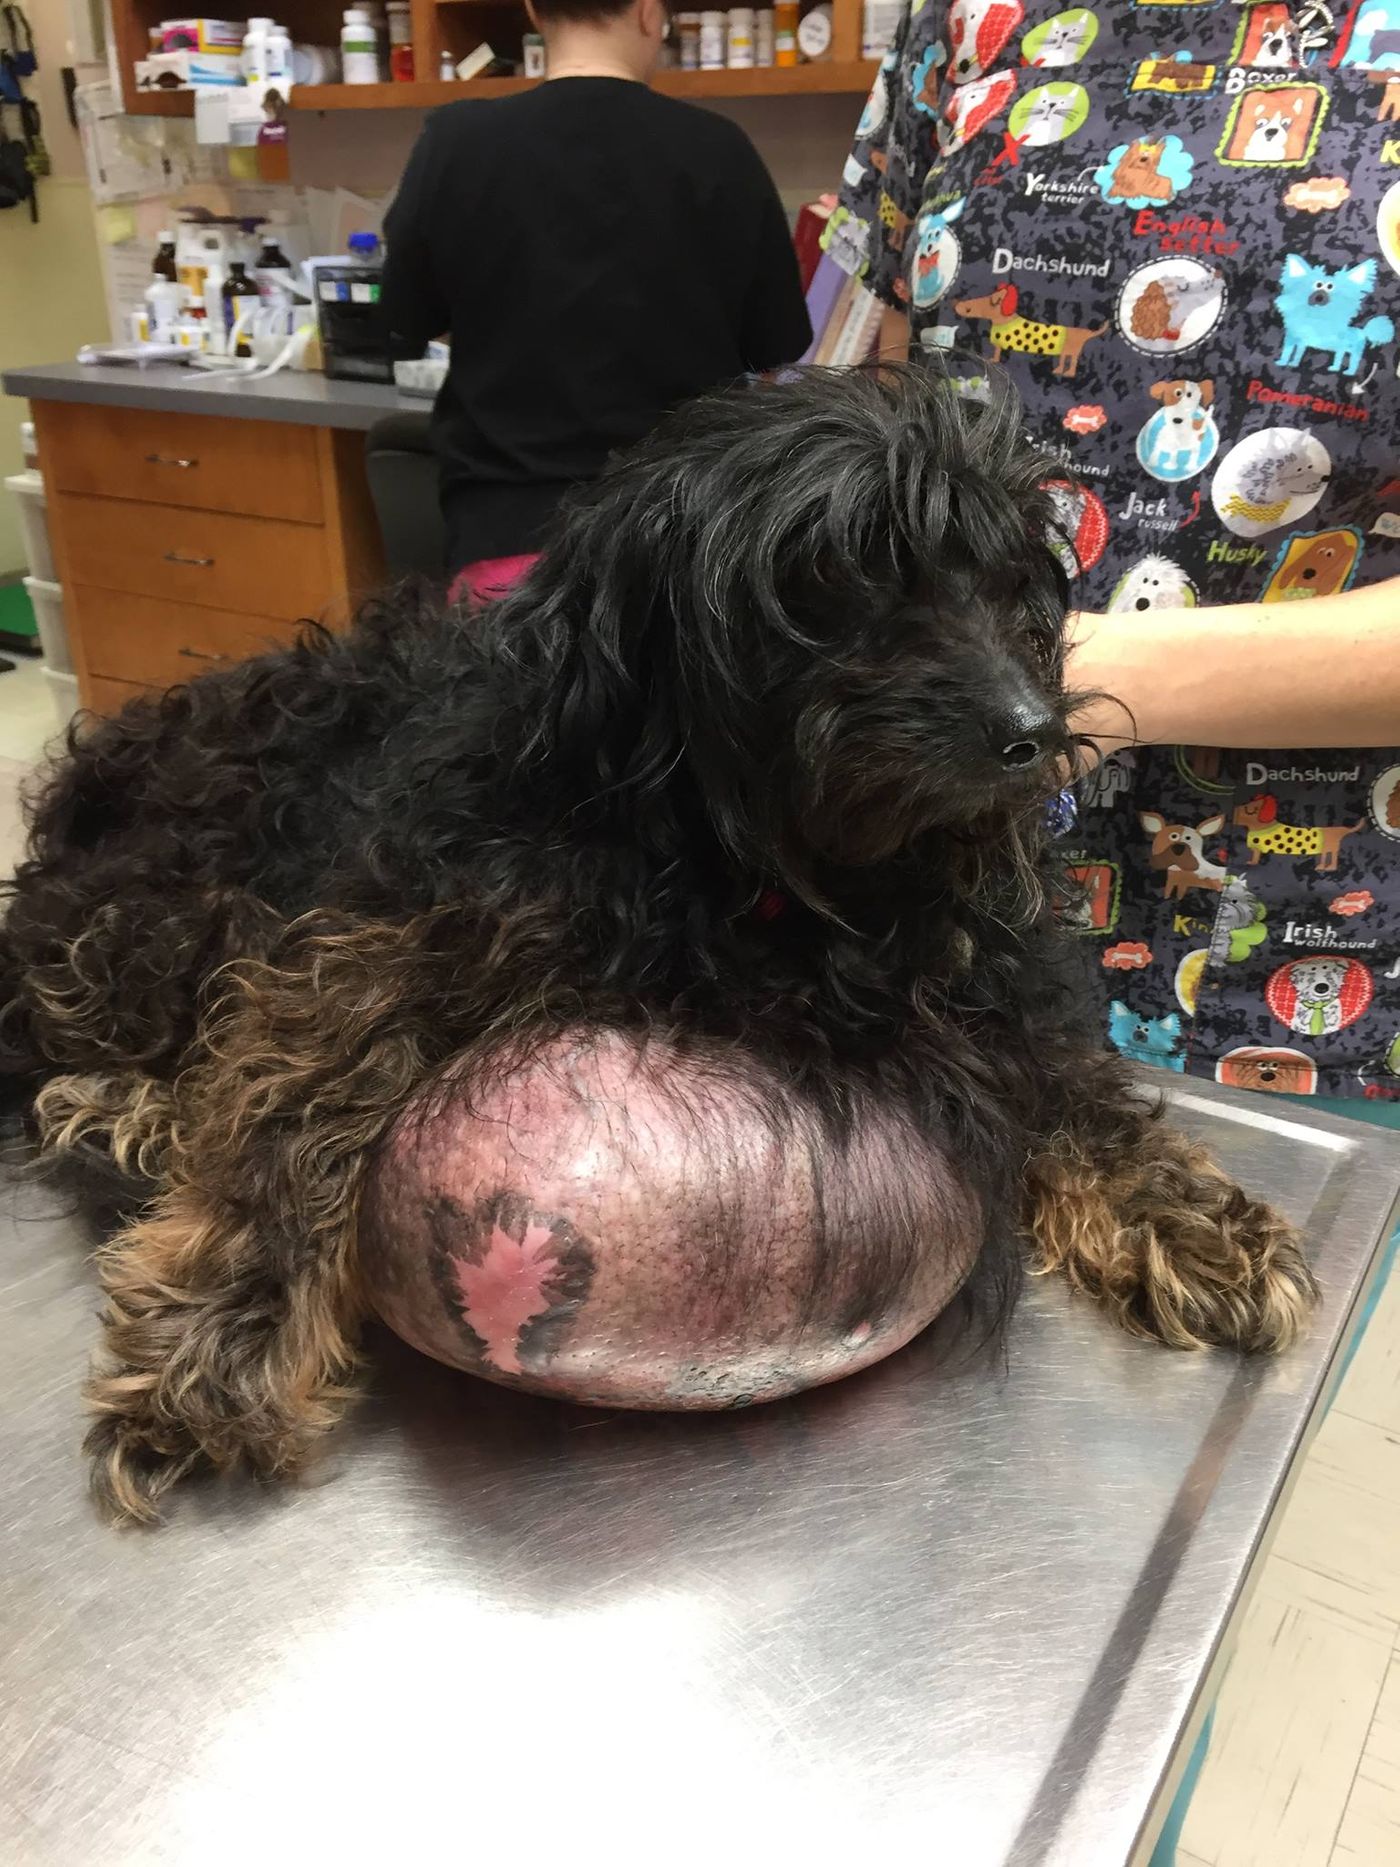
[[1178, 228]]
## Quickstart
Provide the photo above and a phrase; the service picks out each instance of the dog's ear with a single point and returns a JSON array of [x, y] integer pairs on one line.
[[1152, 822], [1007, 298], [1159, 391], [1207, 390], [1295, 268], [1211, 827]]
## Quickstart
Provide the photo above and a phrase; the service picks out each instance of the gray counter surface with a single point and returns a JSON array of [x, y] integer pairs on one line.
[[304, 397], [962, 1617]]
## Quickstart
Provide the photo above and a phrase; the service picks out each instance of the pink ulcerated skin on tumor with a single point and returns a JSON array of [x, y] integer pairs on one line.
[[695, 1219], [507, 1290]]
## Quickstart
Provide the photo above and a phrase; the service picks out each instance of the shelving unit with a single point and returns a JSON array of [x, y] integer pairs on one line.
[[456, 26]]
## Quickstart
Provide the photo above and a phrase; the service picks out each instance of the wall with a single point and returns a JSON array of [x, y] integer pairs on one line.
[[50, 281], [804, 140]]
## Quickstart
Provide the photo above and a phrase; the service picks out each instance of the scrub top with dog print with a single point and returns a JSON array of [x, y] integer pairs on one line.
[[1178, 227]]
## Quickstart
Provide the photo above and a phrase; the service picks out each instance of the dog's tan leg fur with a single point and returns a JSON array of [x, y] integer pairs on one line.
[[233, 1305], [1169, 1245], [128, 1117]]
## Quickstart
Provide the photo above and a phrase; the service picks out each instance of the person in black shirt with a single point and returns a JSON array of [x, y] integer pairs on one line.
[[598, 253]]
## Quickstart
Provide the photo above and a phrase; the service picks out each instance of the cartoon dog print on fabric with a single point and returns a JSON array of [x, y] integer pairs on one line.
[[1146, 173], [1320, 311], [1181, 439], [1110, 779], [1271, 477], [1267, 38], [1178, 851], [937, 256], [1010, 330], [1276, 1072], [1158, 314], [1313, 564], [1239, 924], [1274, 126], [1146, 1040], [1153, 583], [1323, 993], [1266, 836]]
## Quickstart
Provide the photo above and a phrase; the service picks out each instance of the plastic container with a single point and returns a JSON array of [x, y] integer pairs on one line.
[[713, 30], [347, 306], [533, 53], [28, 489], [359, 49], [688, 35], [280, 76], [447, 71], [814, 33], [28, 446], [739, 43], [47, 598], [255, 49], [213, 303], [63, 689], [763, 36], [785, 32], [400, 43]]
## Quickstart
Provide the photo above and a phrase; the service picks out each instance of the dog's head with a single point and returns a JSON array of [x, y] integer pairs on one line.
[[832, 605]]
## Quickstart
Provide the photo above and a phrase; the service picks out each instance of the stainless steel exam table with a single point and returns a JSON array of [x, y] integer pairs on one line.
[[963, 1618]]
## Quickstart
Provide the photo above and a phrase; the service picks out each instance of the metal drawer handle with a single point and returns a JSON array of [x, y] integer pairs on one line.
[[178, 557], [200, 654], [169, 460]]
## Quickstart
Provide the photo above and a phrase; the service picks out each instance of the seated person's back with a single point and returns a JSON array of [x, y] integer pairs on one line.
[[598, 253]]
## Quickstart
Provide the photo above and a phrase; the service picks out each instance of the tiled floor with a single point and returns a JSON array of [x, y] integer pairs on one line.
[[1305, 1767]]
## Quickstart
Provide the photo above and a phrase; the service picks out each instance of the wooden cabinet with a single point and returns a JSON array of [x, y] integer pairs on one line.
[[186, 542], [456, 27]]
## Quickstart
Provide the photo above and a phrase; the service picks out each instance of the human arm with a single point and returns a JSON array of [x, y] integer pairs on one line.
[[412, 305], [775, 326], [1321, 672]]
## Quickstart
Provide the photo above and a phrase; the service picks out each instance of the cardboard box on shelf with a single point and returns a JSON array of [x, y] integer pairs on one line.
[[186, 71], [222, 37]]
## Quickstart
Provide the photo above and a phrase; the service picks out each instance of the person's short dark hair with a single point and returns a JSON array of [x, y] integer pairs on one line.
[[551, 12]]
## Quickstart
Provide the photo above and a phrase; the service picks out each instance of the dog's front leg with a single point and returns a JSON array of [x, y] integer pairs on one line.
[[1142, 1219], [233, 1305]]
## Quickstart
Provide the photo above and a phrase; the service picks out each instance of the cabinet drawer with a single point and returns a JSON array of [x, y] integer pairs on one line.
[[142, 638], [259, 566], [103, 696], [263, 469]]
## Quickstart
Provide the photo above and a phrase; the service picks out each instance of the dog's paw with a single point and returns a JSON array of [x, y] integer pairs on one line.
[[133, 1464], [1224, 1271]]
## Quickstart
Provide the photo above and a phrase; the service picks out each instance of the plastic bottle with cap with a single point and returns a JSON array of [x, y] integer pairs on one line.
[[279, 60], [359, 48], [255, 51]]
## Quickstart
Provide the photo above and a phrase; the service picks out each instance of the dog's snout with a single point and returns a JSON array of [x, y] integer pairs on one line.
[[1022, 735]]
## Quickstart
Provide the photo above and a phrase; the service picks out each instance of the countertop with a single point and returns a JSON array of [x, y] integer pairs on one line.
[[300, 396], [948, 1611]]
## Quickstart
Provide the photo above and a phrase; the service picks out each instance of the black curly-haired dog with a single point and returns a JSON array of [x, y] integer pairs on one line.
[[647, 990]]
